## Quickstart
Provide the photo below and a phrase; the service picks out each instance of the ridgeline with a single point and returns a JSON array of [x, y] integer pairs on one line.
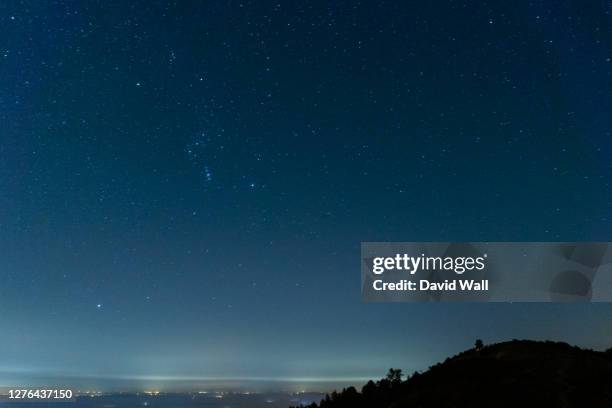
[[517, 373]]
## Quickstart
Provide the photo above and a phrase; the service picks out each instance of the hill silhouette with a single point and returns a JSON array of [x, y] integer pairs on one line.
[[510, 374]]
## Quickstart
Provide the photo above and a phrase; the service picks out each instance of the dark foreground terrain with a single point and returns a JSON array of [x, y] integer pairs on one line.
[[510, 374]]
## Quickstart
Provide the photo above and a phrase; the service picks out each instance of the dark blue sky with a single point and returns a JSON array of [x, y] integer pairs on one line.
[[184, 186]]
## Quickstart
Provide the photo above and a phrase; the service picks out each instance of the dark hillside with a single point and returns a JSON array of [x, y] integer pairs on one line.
[[510, 374]]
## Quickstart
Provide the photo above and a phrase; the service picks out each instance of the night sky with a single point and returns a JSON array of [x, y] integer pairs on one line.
[[184, 186]]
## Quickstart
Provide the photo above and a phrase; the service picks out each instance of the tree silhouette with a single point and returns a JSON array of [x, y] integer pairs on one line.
[[478, 345], [394, 375]]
